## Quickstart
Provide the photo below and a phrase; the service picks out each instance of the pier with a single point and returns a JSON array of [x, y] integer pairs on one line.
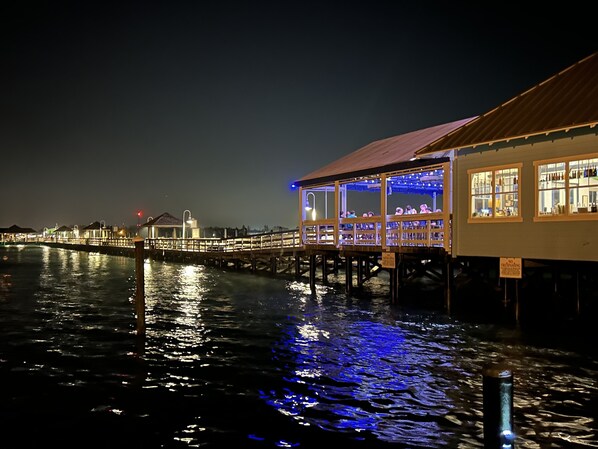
[[284, 254]]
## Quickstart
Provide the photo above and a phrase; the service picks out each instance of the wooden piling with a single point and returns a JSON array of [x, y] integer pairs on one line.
[[348, 274], [140, 285], [312, 272], [498, 407]]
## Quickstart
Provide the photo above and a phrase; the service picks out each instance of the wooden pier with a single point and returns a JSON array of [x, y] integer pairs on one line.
[[283, 254], [416, 273]]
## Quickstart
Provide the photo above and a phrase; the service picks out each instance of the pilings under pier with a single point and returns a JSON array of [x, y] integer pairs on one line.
[[454, 284]]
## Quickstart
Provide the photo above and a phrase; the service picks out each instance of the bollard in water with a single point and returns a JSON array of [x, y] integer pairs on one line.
[[140, 286], [498, 408]]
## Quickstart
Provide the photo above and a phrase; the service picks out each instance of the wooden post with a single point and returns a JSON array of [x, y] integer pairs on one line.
[[448, 283], [348, 274], [140, 286], [498, 408], [360, 272], [312, 272]]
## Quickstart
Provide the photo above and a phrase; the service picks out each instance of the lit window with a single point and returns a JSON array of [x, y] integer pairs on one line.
[[567, 187], [494, 193]]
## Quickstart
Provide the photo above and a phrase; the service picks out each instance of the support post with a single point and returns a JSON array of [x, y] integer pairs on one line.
[[448, 284], [360, 272], [312, 273], [498, 408], [396, 279], [140, 285], [348, 274]]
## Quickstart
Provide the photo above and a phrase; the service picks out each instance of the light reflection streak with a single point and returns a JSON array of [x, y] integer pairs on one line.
[[367, 376]]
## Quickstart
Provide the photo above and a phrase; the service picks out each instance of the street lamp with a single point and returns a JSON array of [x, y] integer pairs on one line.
[[153, 233], [102, 227], [308, 207], [188, 221]]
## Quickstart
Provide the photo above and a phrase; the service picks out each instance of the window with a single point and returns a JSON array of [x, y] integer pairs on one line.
[[567, 188], [494, 194]]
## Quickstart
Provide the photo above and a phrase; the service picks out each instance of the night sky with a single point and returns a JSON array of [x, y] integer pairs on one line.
[[112, 107]]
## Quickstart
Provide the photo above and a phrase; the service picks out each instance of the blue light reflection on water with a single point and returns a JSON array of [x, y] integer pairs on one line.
[[257, 362]]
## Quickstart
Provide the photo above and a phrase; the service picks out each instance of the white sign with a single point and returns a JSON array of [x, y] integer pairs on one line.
[[510, 267]]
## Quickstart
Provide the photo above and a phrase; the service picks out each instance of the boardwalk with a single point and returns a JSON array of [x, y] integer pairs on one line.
[[285, 253]]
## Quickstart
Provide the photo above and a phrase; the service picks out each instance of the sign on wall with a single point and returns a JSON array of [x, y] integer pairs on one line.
[[511, 267], [388, 260]]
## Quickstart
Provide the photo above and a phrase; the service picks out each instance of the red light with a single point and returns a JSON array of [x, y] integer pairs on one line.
[[139, 213]]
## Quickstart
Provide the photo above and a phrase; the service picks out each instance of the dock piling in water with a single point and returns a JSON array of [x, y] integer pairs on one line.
[[498, 408], [140, 285]]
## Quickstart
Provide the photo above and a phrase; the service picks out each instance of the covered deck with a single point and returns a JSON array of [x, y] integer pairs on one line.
[[382, 197], [380, 226]]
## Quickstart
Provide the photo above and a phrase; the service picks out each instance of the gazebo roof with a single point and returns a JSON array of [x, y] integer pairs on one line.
[[165, 220], [93, 226], [15, 229], [64, 228]]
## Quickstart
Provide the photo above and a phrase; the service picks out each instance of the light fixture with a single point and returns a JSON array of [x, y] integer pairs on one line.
[[189, 221], [307, 205]]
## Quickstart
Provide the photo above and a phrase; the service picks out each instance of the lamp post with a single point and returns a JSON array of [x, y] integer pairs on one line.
[[308, 207], [153, 234], [102, 227], [189, 220]]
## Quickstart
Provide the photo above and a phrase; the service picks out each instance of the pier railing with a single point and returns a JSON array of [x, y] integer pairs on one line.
[[423, 230], [268, 241]]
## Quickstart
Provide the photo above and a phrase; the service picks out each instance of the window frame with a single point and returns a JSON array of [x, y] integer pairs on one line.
[[494, 218], [567, 214]]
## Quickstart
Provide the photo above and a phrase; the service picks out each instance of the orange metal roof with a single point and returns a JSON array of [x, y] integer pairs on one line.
[[565, 101], [381, 155]]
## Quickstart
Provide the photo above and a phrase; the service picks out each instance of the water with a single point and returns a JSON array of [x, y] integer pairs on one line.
[[239, 360]]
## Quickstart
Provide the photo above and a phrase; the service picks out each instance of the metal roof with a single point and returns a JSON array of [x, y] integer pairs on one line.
[[393, 153], [565, 101]]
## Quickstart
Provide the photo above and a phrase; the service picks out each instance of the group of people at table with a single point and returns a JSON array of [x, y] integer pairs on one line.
[[423, 209]]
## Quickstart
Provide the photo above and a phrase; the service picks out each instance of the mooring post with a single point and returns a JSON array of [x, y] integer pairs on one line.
[[140, 286], [498, 408]]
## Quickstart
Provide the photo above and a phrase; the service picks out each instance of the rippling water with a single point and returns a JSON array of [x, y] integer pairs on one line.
[[238, 360]]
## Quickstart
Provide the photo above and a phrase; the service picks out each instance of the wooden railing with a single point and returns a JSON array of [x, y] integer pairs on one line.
[[274, 240], [421, 230], [426, 230]]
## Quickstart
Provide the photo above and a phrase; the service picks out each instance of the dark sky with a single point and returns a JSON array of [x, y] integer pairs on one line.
[[107, 108]]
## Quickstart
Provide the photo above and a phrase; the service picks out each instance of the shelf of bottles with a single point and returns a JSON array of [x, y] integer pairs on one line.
[[551, 188], [506, 201], [495, 193], [576, 180], [583, 186], [481, 194]]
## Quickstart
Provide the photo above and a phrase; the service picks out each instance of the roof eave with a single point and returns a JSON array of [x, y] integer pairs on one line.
[[405, 165]]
